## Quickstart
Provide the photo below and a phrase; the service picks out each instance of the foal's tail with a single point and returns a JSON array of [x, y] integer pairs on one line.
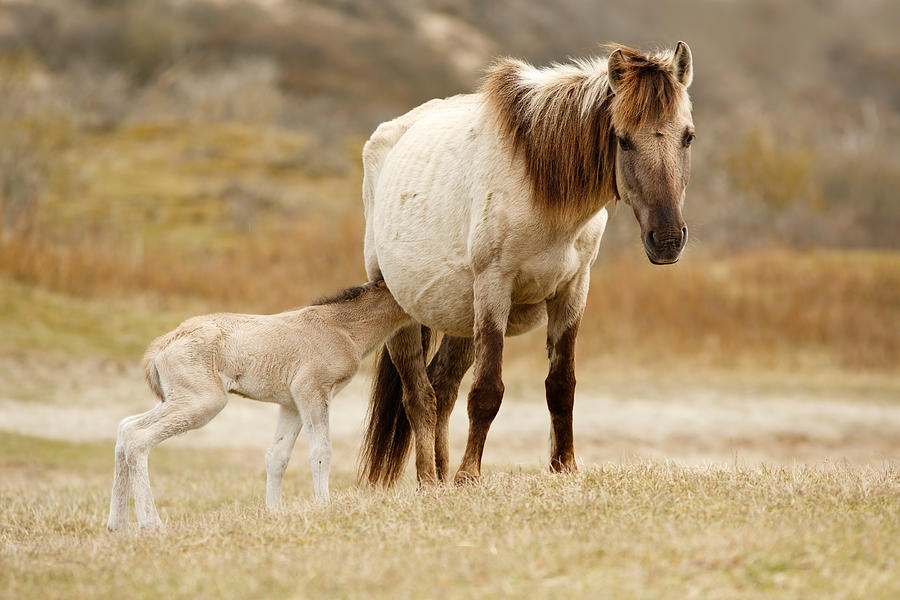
[[151, 374], [388, 433]]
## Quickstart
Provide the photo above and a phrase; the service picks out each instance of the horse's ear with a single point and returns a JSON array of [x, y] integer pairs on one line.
[[683, 64], [615, 69]]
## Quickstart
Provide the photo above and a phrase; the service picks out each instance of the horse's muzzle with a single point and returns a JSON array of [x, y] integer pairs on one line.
[[663, 247]]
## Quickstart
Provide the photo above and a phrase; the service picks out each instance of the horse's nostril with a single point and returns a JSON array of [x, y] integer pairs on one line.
[[650, 239], [684, 235]]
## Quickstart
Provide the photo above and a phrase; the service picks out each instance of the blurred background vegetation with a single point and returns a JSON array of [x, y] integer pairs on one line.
[[181, 156]]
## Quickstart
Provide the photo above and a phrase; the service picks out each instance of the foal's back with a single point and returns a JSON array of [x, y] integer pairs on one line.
[[257, 356]]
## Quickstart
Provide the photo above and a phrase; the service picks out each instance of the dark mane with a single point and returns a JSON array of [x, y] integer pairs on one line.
[[562, 121], [351, 293]]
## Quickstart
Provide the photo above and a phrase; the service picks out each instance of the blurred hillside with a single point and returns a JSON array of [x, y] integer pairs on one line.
[[210, 148], [797, 104]]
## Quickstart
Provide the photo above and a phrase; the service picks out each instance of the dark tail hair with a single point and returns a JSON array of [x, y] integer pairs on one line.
[[388, 434]]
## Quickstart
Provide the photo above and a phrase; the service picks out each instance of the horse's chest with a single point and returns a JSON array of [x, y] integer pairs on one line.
[[540, 277]]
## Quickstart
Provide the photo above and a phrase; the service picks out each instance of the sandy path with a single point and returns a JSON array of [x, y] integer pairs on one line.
[[702, 426]]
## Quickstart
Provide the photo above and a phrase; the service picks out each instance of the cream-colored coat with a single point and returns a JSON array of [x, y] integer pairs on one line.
[[444, 201], [298, 359]]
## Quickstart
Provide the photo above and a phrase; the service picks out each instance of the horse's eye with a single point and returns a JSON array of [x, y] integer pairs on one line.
[[624, 144], [688, 138]]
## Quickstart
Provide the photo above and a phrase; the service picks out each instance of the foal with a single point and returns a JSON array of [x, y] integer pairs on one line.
[[298, 359]]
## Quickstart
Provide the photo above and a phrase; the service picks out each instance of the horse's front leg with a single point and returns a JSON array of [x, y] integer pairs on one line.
[[311, 396], [563, 318], [492, 305], [279, 453], [447, 368]]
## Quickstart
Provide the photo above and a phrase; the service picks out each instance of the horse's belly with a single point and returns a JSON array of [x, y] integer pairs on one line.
[[443, 302]]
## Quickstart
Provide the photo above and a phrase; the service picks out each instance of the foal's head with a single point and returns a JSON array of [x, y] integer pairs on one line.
[[651, 119]]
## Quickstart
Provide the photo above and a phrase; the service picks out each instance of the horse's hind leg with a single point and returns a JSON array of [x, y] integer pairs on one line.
[[408, 356], [184, 409], [447, 368], [118, 503], [279, 452]]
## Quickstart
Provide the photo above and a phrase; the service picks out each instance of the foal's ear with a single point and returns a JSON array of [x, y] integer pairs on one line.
[[615, 69], [683, 64]]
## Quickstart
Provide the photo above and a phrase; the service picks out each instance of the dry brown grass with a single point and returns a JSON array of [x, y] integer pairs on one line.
[[786, 309], [645, 530], [783, 308], [284, 267]]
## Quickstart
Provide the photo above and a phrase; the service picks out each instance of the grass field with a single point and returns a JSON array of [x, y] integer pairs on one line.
[[641, 530]]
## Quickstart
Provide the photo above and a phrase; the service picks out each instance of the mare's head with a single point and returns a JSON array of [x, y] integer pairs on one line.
[[651, 120]]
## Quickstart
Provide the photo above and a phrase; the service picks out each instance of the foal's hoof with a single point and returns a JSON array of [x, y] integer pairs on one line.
[[464, 478], [151, 526]]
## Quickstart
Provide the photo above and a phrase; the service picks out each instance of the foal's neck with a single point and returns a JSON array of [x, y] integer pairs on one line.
[[368, 318]]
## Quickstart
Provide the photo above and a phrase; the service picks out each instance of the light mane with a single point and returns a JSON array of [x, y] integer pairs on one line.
[[562, 120]]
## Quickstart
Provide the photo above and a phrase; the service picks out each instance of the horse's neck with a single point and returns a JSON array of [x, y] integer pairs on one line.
[[369, 319]]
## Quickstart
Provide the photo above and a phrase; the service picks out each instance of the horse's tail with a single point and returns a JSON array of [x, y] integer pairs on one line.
[[151, 373], [386, 442]]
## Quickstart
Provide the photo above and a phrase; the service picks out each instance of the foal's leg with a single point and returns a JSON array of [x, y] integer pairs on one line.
[[279, 453], [563, 318], [453, 359], [182, 410], [118, 503], [312, 401], [408, 356], [492, 305]]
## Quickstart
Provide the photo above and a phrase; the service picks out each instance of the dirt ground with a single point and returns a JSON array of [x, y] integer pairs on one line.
[[719, 421]]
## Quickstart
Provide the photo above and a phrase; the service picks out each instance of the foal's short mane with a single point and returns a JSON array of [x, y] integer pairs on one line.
[[562, 120], [351, 293]]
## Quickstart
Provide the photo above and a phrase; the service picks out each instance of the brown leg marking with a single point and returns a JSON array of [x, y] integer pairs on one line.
[[484, 399], [560, 387], [418, 396], [446, 370]]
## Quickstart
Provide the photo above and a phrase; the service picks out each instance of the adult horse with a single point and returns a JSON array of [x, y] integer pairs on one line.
[[484, 214]]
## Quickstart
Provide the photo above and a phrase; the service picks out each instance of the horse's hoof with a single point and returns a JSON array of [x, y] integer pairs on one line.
[[151, 526], [426, 480], [563, 465], [464, 478]]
